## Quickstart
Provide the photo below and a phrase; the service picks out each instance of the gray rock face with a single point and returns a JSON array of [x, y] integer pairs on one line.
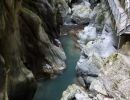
[[89, 79], [93, 53], [59, 52], [89, 66], [30, 33], [97, 59], [103, 45], [53, 56], [79, 93], [75, 92], [81, 81], [63, 7], [98, 87], [56, 56], [88, 34], [116, 77], [81, 13]]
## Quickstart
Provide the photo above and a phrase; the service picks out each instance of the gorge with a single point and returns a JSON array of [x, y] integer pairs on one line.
[[64, 50]]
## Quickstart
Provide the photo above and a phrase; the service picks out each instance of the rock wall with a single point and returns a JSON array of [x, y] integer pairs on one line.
[[29, 43]]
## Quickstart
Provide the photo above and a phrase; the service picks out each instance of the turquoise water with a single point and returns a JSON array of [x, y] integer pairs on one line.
[[52, 89]]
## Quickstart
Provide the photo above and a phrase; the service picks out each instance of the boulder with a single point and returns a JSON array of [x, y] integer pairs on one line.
[[81, 13], [89, 66], [116, 76], [103, 45], [88, 34], [81, 81], [98, 87], [89, 79], [75, 92], [100, 97]]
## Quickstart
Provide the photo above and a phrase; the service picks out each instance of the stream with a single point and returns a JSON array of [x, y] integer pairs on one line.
[[53, 89]]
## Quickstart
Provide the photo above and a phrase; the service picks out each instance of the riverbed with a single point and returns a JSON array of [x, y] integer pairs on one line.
[[53, 89]]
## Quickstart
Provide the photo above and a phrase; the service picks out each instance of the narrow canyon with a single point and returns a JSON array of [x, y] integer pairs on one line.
[[64, 50]]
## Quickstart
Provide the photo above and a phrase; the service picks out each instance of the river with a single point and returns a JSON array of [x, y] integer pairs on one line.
[[53, 89]]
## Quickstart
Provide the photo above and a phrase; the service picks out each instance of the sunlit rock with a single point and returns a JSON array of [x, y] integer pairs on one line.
[[88, 34], [103, 45], [81, 13], [89, 79], [75, 92], [98, 87], [89, 66], [116, 76], [57, 58], [81, 81]]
